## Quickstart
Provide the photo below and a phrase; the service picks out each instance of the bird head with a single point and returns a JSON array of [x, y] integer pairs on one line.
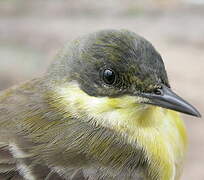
[[114, 69]]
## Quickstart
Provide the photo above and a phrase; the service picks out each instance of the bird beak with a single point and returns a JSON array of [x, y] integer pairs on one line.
[[169, 100]]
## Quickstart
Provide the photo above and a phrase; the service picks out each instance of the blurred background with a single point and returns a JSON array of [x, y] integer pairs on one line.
[[32, 32]]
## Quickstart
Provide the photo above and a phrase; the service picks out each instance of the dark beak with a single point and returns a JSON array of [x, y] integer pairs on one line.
[[166, 98]]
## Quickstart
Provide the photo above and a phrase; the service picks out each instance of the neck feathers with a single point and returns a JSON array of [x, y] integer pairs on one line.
[[141, 135]]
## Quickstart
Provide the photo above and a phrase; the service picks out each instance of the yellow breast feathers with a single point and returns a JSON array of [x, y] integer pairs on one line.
[[159, 131]]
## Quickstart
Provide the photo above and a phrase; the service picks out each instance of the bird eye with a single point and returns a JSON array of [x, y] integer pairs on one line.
[[109, 76]]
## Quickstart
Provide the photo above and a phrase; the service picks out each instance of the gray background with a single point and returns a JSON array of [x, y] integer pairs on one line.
[[31, 33]]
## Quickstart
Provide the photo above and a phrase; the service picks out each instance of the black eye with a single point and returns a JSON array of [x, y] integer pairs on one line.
[[109, 76]]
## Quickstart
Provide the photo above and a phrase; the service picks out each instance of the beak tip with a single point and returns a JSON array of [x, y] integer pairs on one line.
[[198, 115], [194, 112]]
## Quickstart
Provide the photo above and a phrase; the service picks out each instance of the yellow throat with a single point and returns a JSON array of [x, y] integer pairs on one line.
[[159, 131]]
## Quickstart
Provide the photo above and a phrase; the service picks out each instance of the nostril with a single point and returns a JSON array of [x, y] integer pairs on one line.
[[158, 91]]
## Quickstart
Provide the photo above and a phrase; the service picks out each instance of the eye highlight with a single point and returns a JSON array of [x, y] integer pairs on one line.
[[109, 76]]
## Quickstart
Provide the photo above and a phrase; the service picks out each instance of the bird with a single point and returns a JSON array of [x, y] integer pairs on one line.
[[104, 110]]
